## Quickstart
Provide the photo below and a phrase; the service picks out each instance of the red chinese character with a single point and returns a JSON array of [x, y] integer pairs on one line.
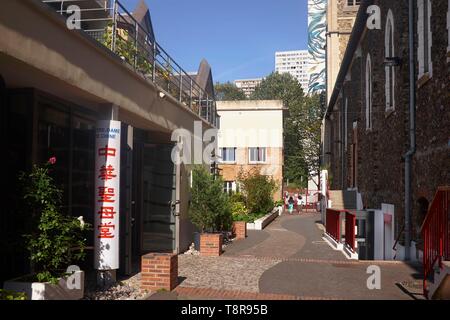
[[107, 152], [106, 194], [106, 212], [105, 230], [106, 173]]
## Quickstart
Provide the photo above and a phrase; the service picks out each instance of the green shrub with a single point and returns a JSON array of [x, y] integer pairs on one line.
[[258, 191], [56, 240], [237, 197], [12, 295], [210, 209], [239, 211], [279, 203]]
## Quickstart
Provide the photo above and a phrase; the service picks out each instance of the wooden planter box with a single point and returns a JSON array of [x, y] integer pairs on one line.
[[240, 229], [211, 244]]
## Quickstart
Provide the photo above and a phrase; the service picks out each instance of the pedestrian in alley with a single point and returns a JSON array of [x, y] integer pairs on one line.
[[291, 204], [299, 204]]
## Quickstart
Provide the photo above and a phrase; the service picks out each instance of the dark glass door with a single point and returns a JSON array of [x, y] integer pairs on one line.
[[158, 193]]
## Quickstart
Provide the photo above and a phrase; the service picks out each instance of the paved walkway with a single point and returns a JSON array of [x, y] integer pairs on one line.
[[289, 260]]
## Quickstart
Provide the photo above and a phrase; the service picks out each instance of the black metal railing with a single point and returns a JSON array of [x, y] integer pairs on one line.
[[110, 23]]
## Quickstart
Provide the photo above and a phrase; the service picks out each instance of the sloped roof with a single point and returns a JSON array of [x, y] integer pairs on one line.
[[204, 78]]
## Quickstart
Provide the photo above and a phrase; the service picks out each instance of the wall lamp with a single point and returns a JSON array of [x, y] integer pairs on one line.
[[393, 62], [162, 95]]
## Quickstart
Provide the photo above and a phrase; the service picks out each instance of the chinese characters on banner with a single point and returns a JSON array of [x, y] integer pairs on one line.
[[107, 193]]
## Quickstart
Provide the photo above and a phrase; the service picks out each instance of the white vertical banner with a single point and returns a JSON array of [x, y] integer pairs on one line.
[[107, 194]]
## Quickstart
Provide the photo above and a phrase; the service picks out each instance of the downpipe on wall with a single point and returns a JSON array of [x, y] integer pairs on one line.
[[412, 135]]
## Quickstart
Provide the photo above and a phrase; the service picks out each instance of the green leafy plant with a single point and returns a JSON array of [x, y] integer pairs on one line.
[[57, 240], [126, 48], [210, 207], [12, 295], [279, 203], [258, 191], [238, 209]]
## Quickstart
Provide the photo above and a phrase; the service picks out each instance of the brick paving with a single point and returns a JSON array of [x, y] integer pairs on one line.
[[290, 261], [207, 293]]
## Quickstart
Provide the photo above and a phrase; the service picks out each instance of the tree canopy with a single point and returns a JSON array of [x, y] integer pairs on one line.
[[228, 92]]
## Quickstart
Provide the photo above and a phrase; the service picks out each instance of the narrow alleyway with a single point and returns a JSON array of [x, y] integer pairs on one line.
[[289, 260]]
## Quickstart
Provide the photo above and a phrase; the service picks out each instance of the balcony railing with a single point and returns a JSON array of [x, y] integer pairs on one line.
[[110, 23]]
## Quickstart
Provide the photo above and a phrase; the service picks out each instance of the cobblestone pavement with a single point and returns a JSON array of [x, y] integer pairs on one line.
[[222, 273]]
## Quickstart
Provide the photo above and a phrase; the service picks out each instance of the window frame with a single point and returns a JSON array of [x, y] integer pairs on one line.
[[369, 93], [424, 48], [448, 31], [222, 154], [257, 161], [389, 48]]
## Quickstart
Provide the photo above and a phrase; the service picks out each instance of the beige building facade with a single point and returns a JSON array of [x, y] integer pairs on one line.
[[251, 137]]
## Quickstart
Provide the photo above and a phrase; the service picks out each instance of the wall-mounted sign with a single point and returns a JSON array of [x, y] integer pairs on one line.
[[107, 193]]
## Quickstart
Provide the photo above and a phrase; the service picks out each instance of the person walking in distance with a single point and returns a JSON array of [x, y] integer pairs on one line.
[[291, 204]]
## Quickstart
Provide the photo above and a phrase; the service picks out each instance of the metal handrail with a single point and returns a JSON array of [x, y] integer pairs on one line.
[[397, 240], [350, 225], [121, 33], [333, 226], [436, 234]]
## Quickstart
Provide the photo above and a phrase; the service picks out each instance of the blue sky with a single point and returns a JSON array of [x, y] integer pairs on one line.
[[237, 37]]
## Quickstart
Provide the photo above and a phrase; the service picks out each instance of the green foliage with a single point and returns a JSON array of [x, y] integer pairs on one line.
[[279, 203], [54, 237], [249, 218], [302, 125], [126, 48], [258, 191], [237, 197], [228, 92], [210, 207], [238, 208], [12, 295]]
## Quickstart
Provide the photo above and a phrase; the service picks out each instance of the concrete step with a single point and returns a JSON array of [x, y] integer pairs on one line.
[[439, 288]]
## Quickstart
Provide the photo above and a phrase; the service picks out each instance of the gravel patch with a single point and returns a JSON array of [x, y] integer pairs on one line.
[[127, 289]]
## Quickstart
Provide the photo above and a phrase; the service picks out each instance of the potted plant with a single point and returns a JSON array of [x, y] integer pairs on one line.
[[55, 243], [240, 216], [209, 210], [279, 205]]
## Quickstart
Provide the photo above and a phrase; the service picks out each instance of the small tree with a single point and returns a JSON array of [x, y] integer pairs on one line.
[[228, 92], [210, 207], [258, 191], [56, 240]]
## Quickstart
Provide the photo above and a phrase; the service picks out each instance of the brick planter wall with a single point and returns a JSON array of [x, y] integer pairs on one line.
[[240, 229], [159, 271], [211, 244]]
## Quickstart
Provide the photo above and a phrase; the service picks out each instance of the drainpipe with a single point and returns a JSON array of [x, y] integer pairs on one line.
[[412, 134]]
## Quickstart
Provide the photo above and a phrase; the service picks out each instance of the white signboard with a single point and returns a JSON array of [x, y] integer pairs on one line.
[[107, 195]]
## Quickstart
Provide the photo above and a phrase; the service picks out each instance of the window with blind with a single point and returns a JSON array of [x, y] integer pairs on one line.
[[257, 155]]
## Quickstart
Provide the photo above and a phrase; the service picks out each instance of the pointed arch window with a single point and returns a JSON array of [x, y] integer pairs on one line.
[[369, 93], [390, 69]]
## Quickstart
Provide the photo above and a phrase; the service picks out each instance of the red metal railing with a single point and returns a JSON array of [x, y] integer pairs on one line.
[[350, 236], [435, 234], [333, 225]]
